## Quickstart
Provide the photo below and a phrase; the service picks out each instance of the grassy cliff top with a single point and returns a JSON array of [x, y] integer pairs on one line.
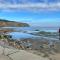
[[7, 23]]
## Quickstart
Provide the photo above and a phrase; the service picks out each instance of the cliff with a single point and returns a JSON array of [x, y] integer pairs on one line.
[[6, 23]]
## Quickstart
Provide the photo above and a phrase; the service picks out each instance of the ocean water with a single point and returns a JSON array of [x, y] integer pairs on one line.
[[22, 34], [48, 29]]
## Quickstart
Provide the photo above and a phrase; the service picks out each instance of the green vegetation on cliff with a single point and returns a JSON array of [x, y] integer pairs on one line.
[[6, 23]]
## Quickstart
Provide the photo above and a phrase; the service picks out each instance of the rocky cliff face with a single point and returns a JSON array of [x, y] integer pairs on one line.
[[6, 23]]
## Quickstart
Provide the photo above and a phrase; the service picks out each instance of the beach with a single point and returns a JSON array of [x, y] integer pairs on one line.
[[15, 54], [29, 45]]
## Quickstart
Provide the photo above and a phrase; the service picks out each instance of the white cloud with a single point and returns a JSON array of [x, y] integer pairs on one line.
[[30, 6]]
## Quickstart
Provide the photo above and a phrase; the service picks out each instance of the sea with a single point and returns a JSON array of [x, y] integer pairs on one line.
[[33, 28], [24, 31]]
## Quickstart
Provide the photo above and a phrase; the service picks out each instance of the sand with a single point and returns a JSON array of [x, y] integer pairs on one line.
[[55, 57], [2, 57], [15, 54]]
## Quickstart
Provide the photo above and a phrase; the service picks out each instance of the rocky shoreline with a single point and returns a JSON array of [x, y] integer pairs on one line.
[[40, 47]]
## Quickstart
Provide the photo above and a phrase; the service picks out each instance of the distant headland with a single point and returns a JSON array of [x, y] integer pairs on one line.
[[7, 23]]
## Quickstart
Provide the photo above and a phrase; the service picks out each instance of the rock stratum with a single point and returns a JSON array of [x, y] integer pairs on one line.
[[7, 23]]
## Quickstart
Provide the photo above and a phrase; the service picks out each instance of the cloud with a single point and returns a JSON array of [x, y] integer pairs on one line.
[[29, 6]]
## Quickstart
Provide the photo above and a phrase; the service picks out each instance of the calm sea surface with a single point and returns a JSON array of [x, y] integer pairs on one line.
[[18, 35], [50, 29]]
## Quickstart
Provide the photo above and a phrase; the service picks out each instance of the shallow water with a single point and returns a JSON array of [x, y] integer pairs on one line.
[[25, 31], [20, 35]]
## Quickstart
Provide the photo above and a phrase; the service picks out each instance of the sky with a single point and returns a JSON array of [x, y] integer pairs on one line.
[[44, 13]]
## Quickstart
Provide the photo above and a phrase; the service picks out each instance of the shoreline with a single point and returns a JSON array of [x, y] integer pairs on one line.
[[40, 47]]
